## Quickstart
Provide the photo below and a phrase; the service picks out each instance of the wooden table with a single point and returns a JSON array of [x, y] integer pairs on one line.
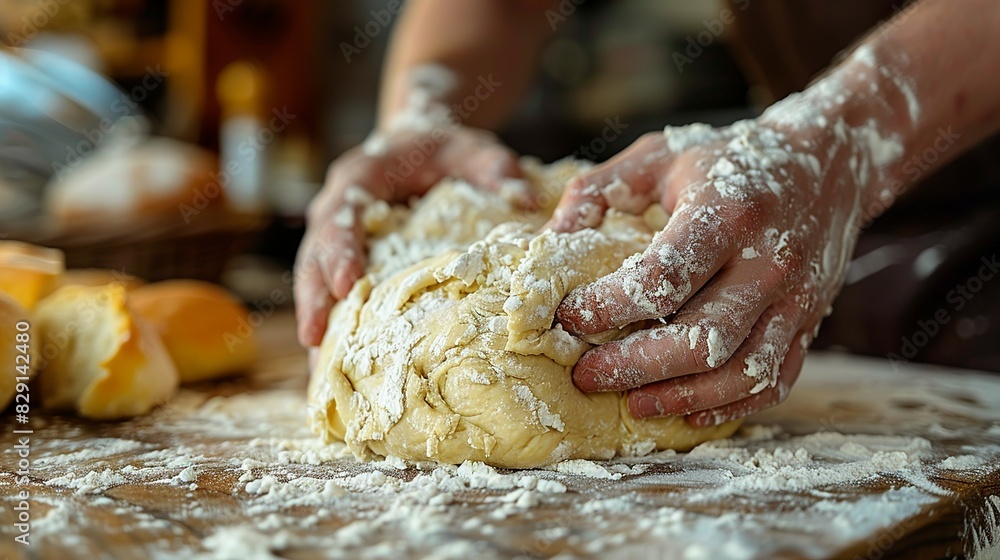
[[230, 470]]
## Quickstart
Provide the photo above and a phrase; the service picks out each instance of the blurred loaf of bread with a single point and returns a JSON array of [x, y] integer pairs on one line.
[[28, 272], [19, 366], [203, 326], [153, 177], [100, 360]]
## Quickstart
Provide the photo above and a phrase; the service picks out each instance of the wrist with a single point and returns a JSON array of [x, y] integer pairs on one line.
[[860, 119], [421, 102]]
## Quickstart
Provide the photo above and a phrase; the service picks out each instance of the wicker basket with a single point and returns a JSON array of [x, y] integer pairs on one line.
[[154, 249]]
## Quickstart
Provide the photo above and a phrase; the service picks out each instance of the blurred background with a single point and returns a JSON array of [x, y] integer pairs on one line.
[[254, 98], [184, 138]]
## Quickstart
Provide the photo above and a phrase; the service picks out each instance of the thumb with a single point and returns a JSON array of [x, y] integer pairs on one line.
[[627, 182], [496, 168]]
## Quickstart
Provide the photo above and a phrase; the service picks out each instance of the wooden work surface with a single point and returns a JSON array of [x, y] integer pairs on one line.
[[230, 470]]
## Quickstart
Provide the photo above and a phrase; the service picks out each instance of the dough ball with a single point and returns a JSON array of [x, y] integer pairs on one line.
[[17, 364], [454, 214], [454, 358], [203, 327], [100, 360]]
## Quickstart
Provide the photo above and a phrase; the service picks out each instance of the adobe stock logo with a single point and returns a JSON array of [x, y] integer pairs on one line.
[[914, 170], [713, 29], [38, 20], [609, 134], [365, 34], [122, 106]]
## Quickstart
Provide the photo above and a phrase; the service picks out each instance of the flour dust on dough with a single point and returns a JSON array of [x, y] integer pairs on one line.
[[445, 350]]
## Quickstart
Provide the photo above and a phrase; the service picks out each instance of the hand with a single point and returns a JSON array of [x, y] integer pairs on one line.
[[393, 167], [763, 224]]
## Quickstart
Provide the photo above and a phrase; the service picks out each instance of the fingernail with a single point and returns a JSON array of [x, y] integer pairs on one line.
[[343, 280], [555, 224], [592, 380], [313, 359], [648, 406], [321, 305], [306, 336], [314, 334]]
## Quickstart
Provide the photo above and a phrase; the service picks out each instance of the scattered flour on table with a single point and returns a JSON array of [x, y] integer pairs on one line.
[[583, 467], [418, 503], [290, 492], [962, 463]]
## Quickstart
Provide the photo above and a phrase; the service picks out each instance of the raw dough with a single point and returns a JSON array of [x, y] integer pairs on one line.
[[453, 358]]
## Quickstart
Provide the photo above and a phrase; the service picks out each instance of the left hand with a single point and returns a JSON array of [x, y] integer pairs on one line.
[[763, 224]]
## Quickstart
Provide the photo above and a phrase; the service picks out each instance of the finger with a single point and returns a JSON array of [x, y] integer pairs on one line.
[[312, 297], [313, 359], [754, 367], [703, 335], [681, 259], [490, 166], [627, 182], [332, 255], [339, 244], [767, 398], [496, 169], [581, 206]]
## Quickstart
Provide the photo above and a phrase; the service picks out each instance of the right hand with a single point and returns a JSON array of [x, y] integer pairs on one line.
[[764, 218], [400, 165]]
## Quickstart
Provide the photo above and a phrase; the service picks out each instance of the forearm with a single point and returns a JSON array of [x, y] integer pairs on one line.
[[491, 45], [913, 95]]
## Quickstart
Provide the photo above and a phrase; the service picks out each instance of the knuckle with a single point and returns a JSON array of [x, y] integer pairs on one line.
[[718, 350], [681, 342], [346, 162], [659, 288], [480, 135], [680, 400], [717, 344], [789, 263], [313, 268], [316, 209], [754, 212], [500, 152], [650, 140], [760, 198], [577, 186], [593, 313], [325, 250], [699, 357], [302, 261]]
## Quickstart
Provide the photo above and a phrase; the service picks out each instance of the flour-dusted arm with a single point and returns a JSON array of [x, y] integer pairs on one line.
[[452, 64], [766, 214]]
